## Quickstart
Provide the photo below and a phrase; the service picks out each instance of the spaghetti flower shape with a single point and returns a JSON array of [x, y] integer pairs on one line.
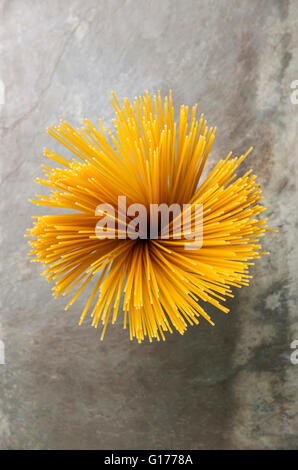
[[153, 283]]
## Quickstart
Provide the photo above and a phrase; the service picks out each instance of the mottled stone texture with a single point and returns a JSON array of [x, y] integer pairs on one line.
[[232, 386]]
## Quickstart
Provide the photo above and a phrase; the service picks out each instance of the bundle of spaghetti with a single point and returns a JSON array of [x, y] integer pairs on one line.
[[151, 160]]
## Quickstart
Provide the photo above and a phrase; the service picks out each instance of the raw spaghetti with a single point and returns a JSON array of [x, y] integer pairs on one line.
[[149, 159]]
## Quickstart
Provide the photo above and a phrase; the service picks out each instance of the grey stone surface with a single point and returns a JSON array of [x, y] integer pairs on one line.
[[232, 386]]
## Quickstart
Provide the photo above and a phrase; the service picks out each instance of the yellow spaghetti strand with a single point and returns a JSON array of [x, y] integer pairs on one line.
[[153, 285]]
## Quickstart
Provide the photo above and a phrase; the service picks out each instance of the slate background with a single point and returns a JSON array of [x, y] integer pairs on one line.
[[232, 386]]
